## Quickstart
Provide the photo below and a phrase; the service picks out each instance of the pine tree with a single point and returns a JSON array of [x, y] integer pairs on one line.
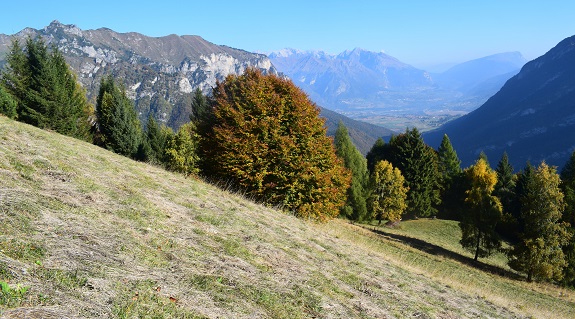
[[268, 140], [539, 252], [479, 220], [118, 122], [389, 192], [451, 180], [418, 164], [355, 207]]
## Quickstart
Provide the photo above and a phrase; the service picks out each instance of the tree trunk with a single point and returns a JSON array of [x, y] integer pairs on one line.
[[477, 246]]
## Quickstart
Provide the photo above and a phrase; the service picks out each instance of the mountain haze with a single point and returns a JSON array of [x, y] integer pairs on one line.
[[378, 88], [468, 75], [532, 117]]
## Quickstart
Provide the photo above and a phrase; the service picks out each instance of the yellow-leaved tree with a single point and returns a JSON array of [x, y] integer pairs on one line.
[[483, 211], [389, 192], [268, 140]]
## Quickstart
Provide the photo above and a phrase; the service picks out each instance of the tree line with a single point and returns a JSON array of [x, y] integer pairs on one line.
[[533, 210], [264, 137]]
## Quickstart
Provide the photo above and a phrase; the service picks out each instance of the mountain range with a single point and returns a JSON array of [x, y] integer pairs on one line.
[[160, 73], [532, 117], [378, 88]]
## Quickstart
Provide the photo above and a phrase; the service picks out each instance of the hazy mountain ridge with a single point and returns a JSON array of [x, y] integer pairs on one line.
[[351, 79], [380, 89], [532, 117]]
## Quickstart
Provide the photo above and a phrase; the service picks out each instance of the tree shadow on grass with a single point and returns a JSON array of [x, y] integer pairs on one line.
[[440, 251]]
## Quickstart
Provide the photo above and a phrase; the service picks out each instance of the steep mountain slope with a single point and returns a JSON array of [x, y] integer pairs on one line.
[[532, 117], [96, 235], [159, 73], [362, 134], [468, 75]]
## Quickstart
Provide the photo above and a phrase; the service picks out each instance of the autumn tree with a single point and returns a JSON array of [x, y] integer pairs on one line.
[[389, 192], [539, 253], [267, 139], [355, 206], [483, 211], [118, 124]]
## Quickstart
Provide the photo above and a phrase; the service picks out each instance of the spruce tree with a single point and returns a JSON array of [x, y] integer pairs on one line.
[[355, 207], [8, 104], [448, 162], [539, 253], [451, 180], [483, 212], [118, 123], [46, 91], [376, 153], [418, 164], [505, 191], [268, 140], [156, 139]]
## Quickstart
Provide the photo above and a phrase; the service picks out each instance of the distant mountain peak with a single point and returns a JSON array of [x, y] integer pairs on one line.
[[158, 72]]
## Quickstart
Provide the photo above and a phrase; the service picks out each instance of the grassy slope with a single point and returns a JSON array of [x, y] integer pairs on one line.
[[96, 235]]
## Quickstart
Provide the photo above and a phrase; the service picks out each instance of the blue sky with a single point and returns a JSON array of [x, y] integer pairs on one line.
[[416, 32]]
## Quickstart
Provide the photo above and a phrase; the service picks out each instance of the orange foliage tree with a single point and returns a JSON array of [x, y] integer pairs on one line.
[[267, 139]]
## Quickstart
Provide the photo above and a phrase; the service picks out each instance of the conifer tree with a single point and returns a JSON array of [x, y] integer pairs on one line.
[[505, 191], [355, 207], [449, 163], [539, 253], [451, 180], [568, 187], [200, 107], [418, 164], [46, 91], [389, 192], [155, 138], [376, 154], [268, 140], [8, 104], [118, 122], [483, 211]]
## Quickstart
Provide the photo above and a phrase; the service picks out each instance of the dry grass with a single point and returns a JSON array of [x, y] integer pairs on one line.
[[94, 235]]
